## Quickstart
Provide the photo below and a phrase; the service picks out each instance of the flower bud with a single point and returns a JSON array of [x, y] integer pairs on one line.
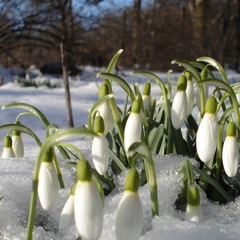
[[230, 151], [88, 208], [133, 127], [129, 217], [206, 140], [193, 212], [17, 144], [7, 148], [179, 106]]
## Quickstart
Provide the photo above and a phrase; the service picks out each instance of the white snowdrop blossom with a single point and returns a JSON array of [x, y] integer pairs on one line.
[[105, 110], [100, 152], [67, 214], [230, 151], [88, 207], [146, 97], [193, 211], [7, 148], [133, 127], [48, 185], [17, 144], [194, 214], [206, 139], [129, 216], [179, 105]]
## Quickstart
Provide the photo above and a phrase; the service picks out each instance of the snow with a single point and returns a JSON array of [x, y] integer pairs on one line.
[[221, 222]]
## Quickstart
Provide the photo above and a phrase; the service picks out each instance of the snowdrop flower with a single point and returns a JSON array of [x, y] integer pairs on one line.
[[189, 93], [17, 144], [105, 109], [179, 105], [88, 207], [230, 152], [67, 214], [206, 140], [100, 153], [147, 100], [133, 127], [129, 216], [7, 148], [193, 212], [48, 183]]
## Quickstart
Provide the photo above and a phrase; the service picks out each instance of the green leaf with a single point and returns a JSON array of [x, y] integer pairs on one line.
[[155, 138], [215, 184], [33, 110], [216, 65], [22, 128], [113, 61], [120, 81]]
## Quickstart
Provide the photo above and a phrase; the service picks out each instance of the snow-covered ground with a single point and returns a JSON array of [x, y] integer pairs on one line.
[[221, 222]]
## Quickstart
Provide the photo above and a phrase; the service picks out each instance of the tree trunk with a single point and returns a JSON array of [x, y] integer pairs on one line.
[[66, 87], [136, 21]]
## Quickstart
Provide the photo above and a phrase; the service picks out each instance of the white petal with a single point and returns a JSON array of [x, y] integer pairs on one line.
[[17, 145], [206, 140], [194, 214], [48, 185], [8, 153], [100, 154], [67, 214], [179, 109], [190, 97], [88, 210], [133, 130], [129, 217], [106, 113], [147, 103], [230, 156]]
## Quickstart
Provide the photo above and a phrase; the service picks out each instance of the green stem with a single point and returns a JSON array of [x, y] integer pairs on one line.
[[144, 151]]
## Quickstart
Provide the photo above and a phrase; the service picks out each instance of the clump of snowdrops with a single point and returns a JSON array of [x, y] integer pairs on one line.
[[126, 140]]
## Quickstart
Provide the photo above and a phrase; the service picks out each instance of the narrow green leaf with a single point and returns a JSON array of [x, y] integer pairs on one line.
[[36, 112], [113, 61], [155, 137], [120, 81]]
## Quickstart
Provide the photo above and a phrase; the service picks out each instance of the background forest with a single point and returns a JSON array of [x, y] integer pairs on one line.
[[151, 32]]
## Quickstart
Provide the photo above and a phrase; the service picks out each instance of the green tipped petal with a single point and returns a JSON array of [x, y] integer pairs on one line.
[[211, 105], [147, 89], [99, 125], [132, 180], [136, 106], [193, 196], [103, 90], [188, 76], [231, 129], [182, 83], [7, 142], [84, 171]]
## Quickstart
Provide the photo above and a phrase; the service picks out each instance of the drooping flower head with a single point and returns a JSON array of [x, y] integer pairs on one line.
[[230, 151], [179, 106], [206, 140], [88, 207], [17, 141], [129, 216], [100, 152], [48, 182], [147, 100], [105, 109], [67, 214], [189, 93], [133, 127], [193, 212], [7, 148]]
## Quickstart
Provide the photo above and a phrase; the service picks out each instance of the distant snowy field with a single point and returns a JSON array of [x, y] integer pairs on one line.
[[222, 222]]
